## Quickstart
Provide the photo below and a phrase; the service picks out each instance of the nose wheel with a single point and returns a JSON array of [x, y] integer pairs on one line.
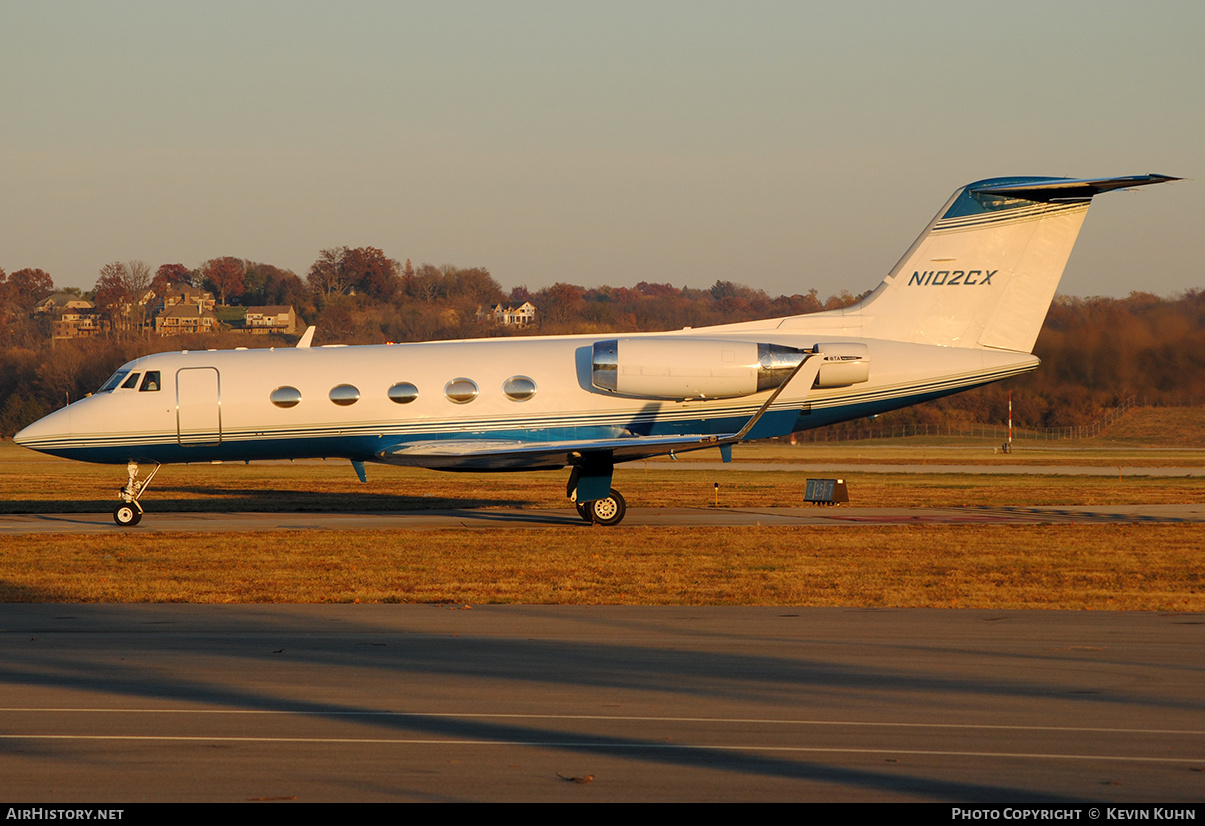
[[128, 515]]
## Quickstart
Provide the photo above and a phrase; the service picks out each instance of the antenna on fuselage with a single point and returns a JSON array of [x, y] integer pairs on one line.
[[306, 337]]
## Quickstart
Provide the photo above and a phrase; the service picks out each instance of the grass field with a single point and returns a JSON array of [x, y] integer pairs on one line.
[[1130, 567]]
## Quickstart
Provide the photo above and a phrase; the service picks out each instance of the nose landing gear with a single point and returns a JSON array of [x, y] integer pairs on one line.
[[129, 512]]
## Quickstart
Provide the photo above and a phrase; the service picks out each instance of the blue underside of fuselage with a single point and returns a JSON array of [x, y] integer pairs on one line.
[[369, 448]]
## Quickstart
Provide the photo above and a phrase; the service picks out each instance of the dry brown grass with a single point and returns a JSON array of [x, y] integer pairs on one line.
[[1176, 427], [1127, 567]]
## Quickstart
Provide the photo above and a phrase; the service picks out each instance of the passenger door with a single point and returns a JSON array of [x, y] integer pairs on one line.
[[198, 406]]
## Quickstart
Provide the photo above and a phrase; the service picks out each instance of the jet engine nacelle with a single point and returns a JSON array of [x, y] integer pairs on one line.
[[845, 363], [690, 368]]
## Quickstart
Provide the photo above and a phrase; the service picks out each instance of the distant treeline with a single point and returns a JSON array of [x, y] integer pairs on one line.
[[1095, 351]]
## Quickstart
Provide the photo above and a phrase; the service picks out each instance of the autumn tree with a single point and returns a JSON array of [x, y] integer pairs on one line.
[[427, 284], [112, 293], [645, 288], [139, 275], [167, 276], [225, 276], [730, 298], [344, 270], [19, 294], [120, 290], [841, 300], [327, 276], [22, 290], [475, 286], [370, 271], [139, 281], [270, 285], [560, 303]]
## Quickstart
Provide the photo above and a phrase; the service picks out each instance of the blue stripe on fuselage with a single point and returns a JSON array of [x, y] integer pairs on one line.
[[367, 448]]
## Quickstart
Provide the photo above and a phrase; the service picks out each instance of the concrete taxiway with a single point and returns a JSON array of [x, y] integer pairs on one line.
[[86, 523], [110, 703]]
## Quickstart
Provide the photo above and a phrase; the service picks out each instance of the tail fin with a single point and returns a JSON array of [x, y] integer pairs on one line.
[[984, 272]]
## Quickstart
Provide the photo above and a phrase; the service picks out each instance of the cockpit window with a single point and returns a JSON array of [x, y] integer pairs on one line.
[[131, 382], [113, 382], [151, 382]]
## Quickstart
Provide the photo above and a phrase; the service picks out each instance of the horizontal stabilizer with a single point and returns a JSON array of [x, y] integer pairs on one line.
[[1070, 189]]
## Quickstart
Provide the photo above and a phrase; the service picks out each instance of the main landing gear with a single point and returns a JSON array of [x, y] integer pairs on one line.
[[590, 489], [129, 512], [609, 511]]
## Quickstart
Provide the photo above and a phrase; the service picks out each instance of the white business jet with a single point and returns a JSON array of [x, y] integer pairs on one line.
[[962, 308]]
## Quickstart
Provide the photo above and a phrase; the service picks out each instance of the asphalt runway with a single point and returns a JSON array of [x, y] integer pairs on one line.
[[840, 516], [128, 703]]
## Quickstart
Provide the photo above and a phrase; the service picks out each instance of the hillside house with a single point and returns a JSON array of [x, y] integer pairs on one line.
[[270, 319]]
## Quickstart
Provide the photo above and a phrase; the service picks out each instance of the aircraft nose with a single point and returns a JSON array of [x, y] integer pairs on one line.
[[45, 431]]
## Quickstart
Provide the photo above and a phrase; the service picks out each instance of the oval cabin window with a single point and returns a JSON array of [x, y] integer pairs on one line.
[[403, 393], [345, 394], [519, 388], [285, 396], [461, 391]]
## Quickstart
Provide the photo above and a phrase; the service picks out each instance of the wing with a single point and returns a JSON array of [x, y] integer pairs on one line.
[[518, 455]]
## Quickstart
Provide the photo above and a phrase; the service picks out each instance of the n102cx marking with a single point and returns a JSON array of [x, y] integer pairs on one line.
[[962, 308]]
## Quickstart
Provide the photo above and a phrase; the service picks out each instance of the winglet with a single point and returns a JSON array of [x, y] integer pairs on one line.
[[306, 338]]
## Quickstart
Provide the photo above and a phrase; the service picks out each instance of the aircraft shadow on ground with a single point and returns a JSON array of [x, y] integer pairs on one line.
[[412, 656]]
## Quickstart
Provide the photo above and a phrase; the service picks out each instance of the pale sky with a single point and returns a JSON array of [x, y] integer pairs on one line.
[[777, 144]]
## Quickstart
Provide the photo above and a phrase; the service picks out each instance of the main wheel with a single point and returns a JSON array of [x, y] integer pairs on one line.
[[126, 515], [583, 511], [607, 511]]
